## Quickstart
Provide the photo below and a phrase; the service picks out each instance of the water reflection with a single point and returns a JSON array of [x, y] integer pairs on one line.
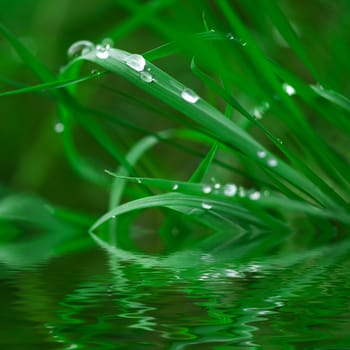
[[120, 300]]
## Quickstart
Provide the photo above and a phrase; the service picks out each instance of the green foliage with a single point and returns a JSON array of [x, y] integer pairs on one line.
[[276, 127]]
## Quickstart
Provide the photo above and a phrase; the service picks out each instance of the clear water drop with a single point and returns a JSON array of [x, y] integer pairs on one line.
[[189, 95], [261, 154], [217, 186], [206, 189], [102, 51], [288, 89], [230, 36], [175, 187], [255, 196], [206, 206], [136, 62], [107, 42], [230, 190], [59, 127], [81, 47], [138, 181], [146, 77], [280, 141], [272, 162]]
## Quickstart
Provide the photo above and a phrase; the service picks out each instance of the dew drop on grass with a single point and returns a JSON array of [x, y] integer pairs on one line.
[[230, 190], [102, 51], [138, 181], [146, 77], [230, 36], [241, 192], [206, 189], [189, 95], [255, 196], [272, 162], [261, 154], [217, 186], [289, 89], [175, 187], [206, 206], [59, 127], [81, 47], [136, 62]]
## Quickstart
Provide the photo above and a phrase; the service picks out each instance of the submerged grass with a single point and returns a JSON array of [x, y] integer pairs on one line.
[[271, 165]]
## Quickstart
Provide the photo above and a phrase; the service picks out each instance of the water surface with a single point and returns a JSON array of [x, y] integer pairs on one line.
[[110, 299]]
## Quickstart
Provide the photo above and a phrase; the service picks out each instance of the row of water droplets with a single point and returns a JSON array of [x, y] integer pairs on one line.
[[134, 61]]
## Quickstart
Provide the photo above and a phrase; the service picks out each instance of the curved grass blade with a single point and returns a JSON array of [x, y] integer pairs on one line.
[[170, 91]]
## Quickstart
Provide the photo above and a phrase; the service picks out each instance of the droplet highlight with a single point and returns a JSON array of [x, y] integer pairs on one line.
[[175, 187], [206, 206], [255, 196], [261, 154], [189, 95], [136, 62], [206, 189], [288, 89], [59, 127], [230, 190], [272, 162], [102, 51]]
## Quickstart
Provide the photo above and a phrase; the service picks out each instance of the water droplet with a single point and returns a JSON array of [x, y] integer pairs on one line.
[[107, 42], [255, 196], [206, 189], [59, 127], [280, 141], [230, 36], [95, 72], [230, 190], [261, 154], [136, 62], [138, 181], [102, 51], [289, 89], [189, 95], [259, 111], [113, 216], [79, 48], [217, 186], [243, 43], [206, 206], [146, 77], [241, 192], [175, 187], [272, 162]]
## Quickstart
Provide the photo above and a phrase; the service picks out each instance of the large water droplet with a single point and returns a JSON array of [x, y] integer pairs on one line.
[[136, 62], [206, 206], [175, 187], [146, 77], [217, 186], [272, 162], [230, 190], [189, 95], [206, 189], [79, 48], [289, 89]]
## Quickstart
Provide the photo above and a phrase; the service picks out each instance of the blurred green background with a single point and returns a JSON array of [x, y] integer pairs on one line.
[[32, 155]]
